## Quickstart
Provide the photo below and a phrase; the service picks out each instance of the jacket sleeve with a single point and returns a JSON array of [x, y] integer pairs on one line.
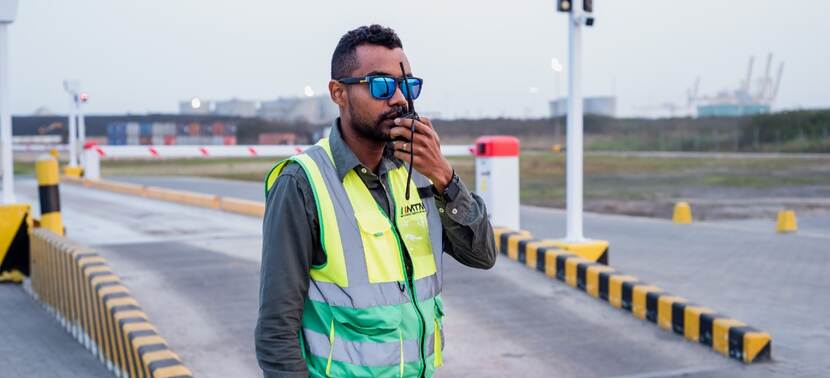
[[287, 250], [468, 235]]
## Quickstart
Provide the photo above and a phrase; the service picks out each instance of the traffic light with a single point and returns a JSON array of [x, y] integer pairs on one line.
[[563, 5], [588, 5]]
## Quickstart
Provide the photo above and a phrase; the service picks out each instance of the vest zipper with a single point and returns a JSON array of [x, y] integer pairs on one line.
[[409, 279]]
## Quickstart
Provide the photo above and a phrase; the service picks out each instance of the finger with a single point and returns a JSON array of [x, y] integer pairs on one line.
[[403, 156], [399, 133], [427, 142], [423, 126], [402, 146]]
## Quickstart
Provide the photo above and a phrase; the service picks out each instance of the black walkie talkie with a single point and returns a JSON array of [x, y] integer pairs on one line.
[[411, 114]]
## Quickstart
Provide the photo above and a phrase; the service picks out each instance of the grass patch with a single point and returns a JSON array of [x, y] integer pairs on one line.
[[23, 168], [542, 174]]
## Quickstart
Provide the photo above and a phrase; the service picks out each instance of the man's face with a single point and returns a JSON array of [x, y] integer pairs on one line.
[[370, 117]]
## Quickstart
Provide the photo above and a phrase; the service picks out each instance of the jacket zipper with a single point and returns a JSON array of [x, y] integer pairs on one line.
[[409, 279]]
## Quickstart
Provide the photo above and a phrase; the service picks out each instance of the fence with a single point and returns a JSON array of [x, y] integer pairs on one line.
[[78, 287]]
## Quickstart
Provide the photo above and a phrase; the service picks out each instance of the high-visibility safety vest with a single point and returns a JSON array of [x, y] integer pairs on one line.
[[365, 315]]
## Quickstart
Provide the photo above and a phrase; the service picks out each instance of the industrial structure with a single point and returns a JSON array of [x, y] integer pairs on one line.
[[753, 96], [151, 129], [597, 105]]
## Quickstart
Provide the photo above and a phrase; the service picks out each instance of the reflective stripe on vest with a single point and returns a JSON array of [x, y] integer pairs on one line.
[[358, 321]]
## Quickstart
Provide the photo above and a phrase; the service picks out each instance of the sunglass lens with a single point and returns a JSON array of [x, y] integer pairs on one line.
[[415, 84], [382, 87]]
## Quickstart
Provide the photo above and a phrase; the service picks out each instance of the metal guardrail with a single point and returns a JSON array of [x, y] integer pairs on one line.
[[80, 289]]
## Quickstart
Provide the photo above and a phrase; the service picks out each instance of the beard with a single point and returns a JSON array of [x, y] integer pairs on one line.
[[373, 129]]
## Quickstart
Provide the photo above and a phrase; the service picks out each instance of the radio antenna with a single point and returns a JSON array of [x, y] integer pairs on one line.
[[413, 116]]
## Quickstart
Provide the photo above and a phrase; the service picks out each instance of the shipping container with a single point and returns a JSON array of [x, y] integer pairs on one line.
[[277, 138], [158, 129], [97, 140], [132, 129], [146, 129], [194, 129], [116, 129], [218, 128]]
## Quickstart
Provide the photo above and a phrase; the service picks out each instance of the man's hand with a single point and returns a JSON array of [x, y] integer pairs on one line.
[[426, 147]]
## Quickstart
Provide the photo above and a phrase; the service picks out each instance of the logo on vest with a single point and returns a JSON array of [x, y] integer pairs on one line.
[[413, 209]]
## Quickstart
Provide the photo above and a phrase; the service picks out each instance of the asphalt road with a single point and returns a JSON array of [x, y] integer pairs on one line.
[[33, 344], [196, 273]]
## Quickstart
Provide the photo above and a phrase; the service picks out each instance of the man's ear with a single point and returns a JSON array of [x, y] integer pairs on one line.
[[337, 91]]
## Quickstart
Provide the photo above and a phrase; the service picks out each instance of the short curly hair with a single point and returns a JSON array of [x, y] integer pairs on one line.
[[344, 61]]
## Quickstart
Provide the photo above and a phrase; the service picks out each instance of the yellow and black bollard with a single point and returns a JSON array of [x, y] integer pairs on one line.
[[46, 170]]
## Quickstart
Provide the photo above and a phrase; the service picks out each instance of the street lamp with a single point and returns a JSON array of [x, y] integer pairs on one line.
[[8, 12], [557, 68], [72, 87], [574, 238]]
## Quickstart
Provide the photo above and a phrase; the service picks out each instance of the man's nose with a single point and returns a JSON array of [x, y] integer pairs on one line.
[[398, 99]]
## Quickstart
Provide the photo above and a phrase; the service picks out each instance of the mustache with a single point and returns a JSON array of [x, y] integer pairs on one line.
[[396, 112]]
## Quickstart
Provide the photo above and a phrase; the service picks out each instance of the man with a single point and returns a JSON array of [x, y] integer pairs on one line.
[[351, 262]]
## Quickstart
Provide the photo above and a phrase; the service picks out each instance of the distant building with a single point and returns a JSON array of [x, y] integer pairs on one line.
[[195, 106], [599, 105], [313, 110], [235, 107]]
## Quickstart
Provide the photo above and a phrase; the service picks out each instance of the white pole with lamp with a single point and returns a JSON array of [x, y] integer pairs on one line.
[[72, 88], [8, 12], [573, 154], [575, 241]]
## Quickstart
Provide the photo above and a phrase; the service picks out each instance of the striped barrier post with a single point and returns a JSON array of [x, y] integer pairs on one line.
[[80, 289], [48, 178], [588, 272]]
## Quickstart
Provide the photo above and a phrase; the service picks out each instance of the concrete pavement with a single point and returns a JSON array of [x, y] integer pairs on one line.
[[777, 283], [196, 271], [33, 343]]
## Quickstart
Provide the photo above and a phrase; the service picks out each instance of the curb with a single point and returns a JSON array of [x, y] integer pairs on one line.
[[79, 288], [725, 335], [229, 204]]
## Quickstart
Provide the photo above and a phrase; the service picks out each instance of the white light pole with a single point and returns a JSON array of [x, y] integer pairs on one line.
[[80, 101], [573, 153], [71, 87], [8, 12]]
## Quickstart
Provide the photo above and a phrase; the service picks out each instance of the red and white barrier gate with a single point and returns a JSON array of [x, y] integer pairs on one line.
[[497, 169]]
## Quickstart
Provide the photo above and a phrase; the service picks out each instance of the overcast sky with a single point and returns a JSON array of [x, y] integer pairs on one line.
[[477, 58]]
